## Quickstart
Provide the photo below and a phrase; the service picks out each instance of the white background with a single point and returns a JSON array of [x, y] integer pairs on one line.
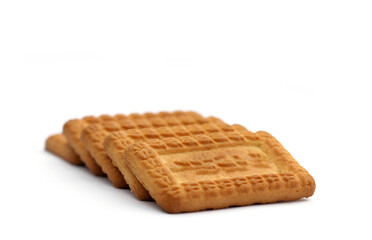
[[300, 70]]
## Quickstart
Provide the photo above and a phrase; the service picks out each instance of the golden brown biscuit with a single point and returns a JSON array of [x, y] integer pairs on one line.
[[217, 170], [94, 135], [58, 145], [115, 144]]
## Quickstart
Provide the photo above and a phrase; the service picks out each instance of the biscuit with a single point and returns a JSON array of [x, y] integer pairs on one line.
[[115, 144], [58, 145], [94, 135], [217, 170]]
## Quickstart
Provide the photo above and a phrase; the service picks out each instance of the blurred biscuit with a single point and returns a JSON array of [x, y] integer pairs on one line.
[[58, 145]]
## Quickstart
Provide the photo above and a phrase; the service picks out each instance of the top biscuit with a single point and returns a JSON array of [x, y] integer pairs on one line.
[[217, 170]]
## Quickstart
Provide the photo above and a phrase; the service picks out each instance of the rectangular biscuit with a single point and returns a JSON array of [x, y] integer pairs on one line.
[[94, 135], [217, 170], [58, 145], [115, 144]]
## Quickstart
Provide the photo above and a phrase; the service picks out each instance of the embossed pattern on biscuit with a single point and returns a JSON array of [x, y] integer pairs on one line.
[[219, 162], [216, 171]]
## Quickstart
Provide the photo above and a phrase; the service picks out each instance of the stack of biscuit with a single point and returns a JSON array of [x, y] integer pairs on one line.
[[184, 161]]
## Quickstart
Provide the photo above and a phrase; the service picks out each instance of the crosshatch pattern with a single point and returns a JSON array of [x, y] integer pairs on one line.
[[288, 182], [121, 139], [93, 136]]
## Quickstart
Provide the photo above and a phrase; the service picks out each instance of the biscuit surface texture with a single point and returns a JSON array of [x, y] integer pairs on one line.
[[217, 170], [58, 145], [93, 136], [116, 143]]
